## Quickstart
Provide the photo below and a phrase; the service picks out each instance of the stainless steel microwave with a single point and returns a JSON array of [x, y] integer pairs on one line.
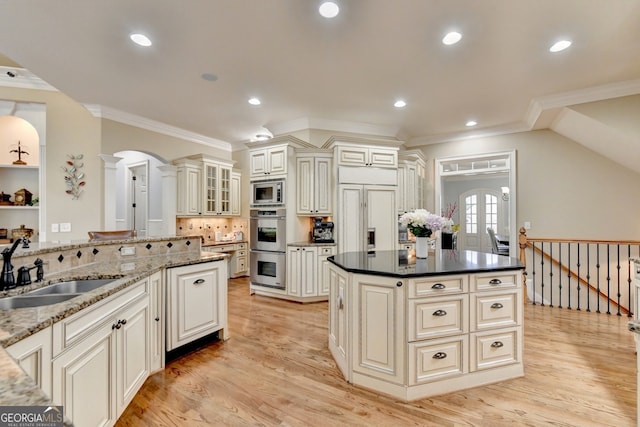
[[268, 193]]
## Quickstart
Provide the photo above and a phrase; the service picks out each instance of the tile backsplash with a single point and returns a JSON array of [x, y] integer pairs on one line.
[[210, 228]]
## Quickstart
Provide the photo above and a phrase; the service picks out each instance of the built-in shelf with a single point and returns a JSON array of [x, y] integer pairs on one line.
[[19, 207]]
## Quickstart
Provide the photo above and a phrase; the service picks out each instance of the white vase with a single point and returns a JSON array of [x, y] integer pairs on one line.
[[422, 247]]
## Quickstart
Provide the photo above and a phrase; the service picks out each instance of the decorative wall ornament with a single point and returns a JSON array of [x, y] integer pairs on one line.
[[73, 177], [20, 152]]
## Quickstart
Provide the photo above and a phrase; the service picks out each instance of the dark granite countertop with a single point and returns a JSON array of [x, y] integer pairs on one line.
[[441, 262]]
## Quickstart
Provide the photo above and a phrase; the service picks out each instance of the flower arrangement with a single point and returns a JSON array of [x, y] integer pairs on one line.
[[447, 214], [422, 223]]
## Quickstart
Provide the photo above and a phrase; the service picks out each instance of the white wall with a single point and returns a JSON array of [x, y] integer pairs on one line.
[[563, 189]]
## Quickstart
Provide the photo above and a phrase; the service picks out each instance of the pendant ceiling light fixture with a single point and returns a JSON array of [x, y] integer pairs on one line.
[[329, 9]]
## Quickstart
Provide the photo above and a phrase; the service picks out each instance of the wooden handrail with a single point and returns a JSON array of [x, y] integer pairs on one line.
[[524, 242]]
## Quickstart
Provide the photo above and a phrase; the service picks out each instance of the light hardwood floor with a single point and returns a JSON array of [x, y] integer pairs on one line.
[[276, 370]]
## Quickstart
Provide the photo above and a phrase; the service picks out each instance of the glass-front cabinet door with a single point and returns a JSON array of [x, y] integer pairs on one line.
[[217, 190]]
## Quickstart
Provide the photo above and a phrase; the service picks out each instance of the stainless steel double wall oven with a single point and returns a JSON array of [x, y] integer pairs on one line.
[[268, 247]]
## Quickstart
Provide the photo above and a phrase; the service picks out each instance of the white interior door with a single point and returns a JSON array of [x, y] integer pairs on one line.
[[139, 198], [480, 209]]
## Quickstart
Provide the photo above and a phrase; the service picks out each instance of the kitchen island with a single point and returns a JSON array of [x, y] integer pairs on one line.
[[413, 328]]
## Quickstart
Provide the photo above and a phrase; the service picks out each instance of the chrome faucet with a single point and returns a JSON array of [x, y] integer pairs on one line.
[[7, 279]]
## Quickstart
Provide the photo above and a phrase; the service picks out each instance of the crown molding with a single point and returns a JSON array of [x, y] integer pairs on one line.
[[103, 112], [539, 105], [306, 123], [546, 107], [23, 79], [515, 127]]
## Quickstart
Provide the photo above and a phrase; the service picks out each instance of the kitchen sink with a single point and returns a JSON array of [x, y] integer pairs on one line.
[[26, 300], [71, 287]]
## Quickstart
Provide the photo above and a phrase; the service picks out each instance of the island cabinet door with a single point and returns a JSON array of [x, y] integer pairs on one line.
[[379, 334], [338, 316]]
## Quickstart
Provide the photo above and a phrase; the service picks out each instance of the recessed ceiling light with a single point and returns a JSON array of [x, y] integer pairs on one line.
[[254, 101], [471, 123], [329, 9], [140, 39], [560, 45], [209, 77], [452, 38], [400, 103]]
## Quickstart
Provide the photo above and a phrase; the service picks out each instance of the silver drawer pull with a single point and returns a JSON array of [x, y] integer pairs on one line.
[[438, 286], [439, 313], [495, 281], [497, 344], [340, 303], [199, 282], [439, 355], [496, 305]]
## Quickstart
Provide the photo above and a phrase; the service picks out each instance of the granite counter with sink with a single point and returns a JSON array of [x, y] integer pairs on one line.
[[80, 261]]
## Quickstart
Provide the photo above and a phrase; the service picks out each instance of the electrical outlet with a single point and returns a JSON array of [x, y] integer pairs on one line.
[[65, 227], [128, 266], [55, 228], [527, 225], [128, 250]]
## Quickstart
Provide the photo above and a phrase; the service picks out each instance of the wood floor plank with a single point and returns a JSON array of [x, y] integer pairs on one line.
[[276, 370]]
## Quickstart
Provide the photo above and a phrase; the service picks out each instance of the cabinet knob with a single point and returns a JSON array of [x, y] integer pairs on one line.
[[438, 286], [440, 355], [496, 305], [123, 322], [157, 319], [399, 284], [198, 282]]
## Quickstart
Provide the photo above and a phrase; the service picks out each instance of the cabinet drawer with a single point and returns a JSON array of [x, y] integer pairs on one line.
[[438, 286], [494, 310], [438, 359], [74, 328], [438, 317], [493, 281], [492, 349], [220, 248], [241, 246], [241, 253], [326, 250]]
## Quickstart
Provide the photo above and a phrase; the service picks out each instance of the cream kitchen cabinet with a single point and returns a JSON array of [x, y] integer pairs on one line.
[[324, 252], [196, 301], [236, 193], [34, 356], [238, 265], [267, 161], [305, 272], [204, 187], [314, 183], [379, 337], [101, 356], [302, 265], [189, 188], [413, 336], [158, 321], [370, 156], [411, 178], [339, 312], [217, 188]]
